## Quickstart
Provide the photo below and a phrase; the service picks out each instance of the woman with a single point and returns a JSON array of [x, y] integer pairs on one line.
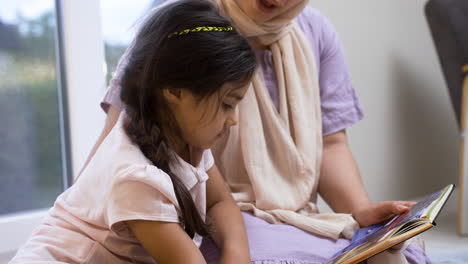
[[299, 107]]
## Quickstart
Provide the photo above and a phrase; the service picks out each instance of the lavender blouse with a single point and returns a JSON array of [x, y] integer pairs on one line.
[[339, 103]]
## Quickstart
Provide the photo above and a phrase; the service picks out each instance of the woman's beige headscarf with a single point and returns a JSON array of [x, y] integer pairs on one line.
[[271, 160]]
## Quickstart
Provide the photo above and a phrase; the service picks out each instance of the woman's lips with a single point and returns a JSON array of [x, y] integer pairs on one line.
[[265, 6]]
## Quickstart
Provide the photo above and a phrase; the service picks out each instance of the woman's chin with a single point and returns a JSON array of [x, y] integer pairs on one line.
[[263, 13], [262, 7]]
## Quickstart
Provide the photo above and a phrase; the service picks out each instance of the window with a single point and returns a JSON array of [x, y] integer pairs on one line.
[[119, 24], [31, 166], [44, 141]]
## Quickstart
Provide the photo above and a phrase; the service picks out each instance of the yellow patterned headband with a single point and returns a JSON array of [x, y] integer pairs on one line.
[[198, 29]]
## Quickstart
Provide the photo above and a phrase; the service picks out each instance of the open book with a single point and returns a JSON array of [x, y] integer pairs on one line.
[[374, 239]]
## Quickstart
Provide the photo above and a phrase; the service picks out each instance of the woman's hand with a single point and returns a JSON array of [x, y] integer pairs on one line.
[[380, 212]]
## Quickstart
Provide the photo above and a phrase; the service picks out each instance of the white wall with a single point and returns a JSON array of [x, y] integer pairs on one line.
[[407, 145], [84, 59]]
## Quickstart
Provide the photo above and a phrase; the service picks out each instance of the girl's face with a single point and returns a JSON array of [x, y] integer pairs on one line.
[[203, 122], [263, 10]]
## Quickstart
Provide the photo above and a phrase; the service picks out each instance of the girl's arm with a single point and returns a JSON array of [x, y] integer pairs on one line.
[[166, 242], [226, 221], [341, 185]]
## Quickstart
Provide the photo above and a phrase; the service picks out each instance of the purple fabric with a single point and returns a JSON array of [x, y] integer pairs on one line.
[[339, 103], [285, 244]]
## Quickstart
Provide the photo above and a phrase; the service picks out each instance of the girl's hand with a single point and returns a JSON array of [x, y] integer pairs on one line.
[[233, 257], [166, 242], [229, 231], [380, 212]]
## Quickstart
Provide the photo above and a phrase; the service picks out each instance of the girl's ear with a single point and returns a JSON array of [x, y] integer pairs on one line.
[[172, 95]]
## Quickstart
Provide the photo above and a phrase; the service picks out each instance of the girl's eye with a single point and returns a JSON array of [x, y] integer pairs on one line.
[[227, 106]]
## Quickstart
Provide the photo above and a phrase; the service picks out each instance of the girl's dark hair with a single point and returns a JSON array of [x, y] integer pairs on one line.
[[200, 62]]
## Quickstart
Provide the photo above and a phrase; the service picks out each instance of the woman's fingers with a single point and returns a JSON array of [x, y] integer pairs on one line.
[[388, 209], [408, 203], [403, 206], [382, 211]]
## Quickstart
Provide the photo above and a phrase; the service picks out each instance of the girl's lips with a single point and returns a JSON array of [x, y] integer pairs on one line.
[[220, 134], [265, 6]]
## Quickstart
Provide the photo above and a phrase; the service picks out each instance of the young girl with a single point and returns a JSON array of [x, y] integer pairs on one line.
[[147, 192]]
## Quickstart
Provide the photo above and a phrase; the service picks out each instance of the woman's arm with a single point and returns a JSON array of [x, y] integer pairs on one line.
[[341, 185], [166, 242], [111, 119], [226, 221]]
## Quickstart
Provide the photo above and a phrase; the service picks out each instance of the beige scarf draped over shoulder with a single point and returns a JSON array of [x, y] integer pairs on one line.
[[271, 159]]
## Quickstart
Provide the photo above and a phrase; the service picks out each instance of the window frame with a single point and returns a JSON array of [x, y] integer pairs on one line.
[[81, 85]]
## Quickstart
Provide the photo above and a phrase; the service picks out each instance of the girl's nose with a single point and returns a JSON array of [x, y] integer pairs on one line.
[[232, 119]]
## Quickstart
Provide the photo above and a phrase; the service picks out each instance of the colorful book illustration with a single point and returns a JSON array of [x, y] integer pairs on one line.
[[374, 239]]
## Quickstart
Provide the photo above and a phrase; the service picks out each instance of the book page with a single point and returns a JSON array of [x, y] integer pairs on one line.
[[434, 208]]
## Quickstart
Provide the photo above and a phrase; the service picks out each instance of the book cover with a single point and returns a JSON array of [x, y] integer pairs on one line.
[[374, 239]]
